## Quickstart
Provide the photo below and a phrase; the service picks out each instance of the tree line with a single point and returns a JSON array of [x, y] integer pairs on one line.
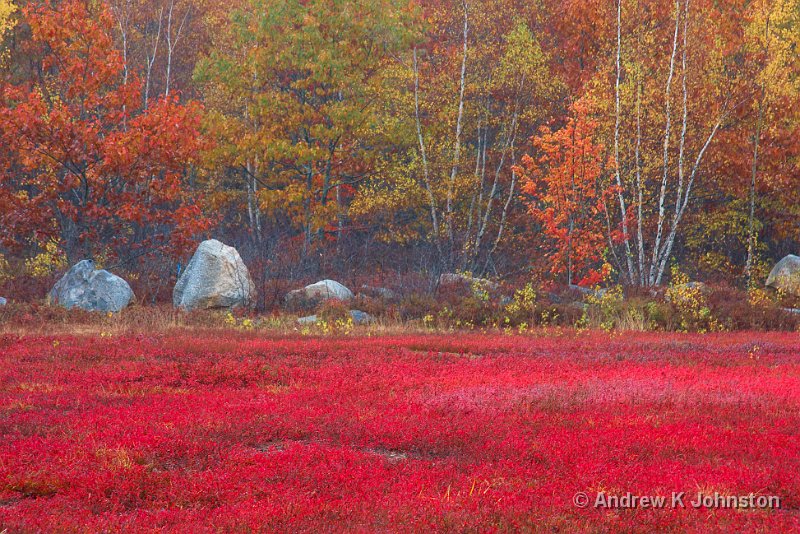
[[577, 142]]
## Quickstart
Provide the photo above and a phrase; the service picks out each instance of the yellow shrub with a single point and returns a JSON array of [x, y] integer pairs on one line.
[[51, 259], [4, 269], [691, 305]]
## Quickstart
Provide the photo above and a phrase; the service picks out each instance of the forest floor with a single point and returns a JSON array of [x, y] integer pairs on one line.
[[230, 430]]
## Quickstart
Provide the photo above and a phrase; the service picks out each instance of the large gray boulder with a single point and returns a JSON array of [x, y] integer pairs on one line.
[[216, 277], [311, 295], [785, 276], [90, 289]]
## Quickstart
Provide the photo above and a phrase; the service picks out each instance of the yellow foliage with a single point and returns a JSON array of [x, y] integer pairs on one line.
[[522, 306], [51, 259], [7, 9], [760, 297], [4, 269], [607, 305], [773, 33], [691, 305]]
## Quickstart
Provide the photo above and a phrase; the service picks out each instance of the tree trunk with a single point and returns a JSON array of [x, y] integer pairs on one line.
[[639, 184], [620, 191], [457, 147], [423, 155], [751, 219], [151, 59], [667, 126]]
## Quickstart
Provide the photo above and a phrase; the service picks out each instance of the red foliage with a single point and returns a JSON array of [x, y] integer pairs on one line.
[[234, 432], [567, 195], [85, 162]]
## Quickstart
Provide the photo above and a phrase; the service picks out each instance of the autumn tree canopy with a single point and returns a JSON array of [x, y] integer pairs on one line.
[[85, 165], [579, 142]]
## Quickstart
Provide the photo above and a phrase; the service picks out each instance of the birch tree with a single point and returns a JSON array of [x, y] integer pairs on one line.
[[772, 44], [473, 84], [679, 168], [173, 34], [293, 105]]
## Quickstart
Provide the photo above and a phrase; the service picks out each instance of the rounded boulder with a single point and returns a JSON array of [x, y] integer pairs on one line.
[[90, 289], [785, 276]]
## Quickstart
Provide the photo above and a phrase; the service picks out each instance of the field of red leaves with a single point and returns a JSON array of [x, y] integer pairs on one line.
[[461, 432]]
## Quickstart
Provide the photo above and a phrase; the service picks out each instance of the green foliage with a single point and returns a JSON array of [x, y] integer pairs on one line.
[[296, 92], [603, 308]]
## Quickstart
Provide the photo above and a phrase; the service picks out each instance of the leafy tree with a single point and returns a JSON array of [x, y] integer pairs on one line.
[[774, 38], [463, 99], [84, 163], [295, 91], [673, 79], [7, 9], [352, 135], [747, 214], [568, 196]]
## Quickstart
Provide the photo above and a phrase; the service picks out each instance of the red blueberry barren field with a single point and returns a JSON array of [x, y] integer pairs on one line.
[[212, 431]]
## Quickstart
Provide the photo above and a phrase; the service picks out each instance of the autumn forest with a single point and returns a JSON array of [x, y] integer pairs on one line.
[[591, 143], [399, 266]]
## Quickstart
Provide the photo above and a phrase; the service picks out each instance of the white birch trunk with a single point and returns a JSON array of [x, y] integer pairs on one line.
[[639, 184], [457, 146], [667, 126], [151, 59], [425, 171], [620, 191], [172, 42]]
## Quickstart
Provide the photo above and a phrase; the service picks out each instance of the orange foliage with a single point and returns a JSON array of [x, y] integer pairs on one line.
[[567, 195]]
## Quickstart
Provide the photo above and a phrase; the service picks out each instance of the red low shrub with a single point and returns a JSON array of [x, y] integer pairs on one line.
[[231, 431]]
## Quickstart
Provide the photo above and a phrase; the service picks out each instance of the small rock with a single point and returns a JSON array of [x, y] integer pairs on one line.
[[468, 281], [380, 292], [596, 293], [310, 296], [553, 297], [360, 317], [311, 319]]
